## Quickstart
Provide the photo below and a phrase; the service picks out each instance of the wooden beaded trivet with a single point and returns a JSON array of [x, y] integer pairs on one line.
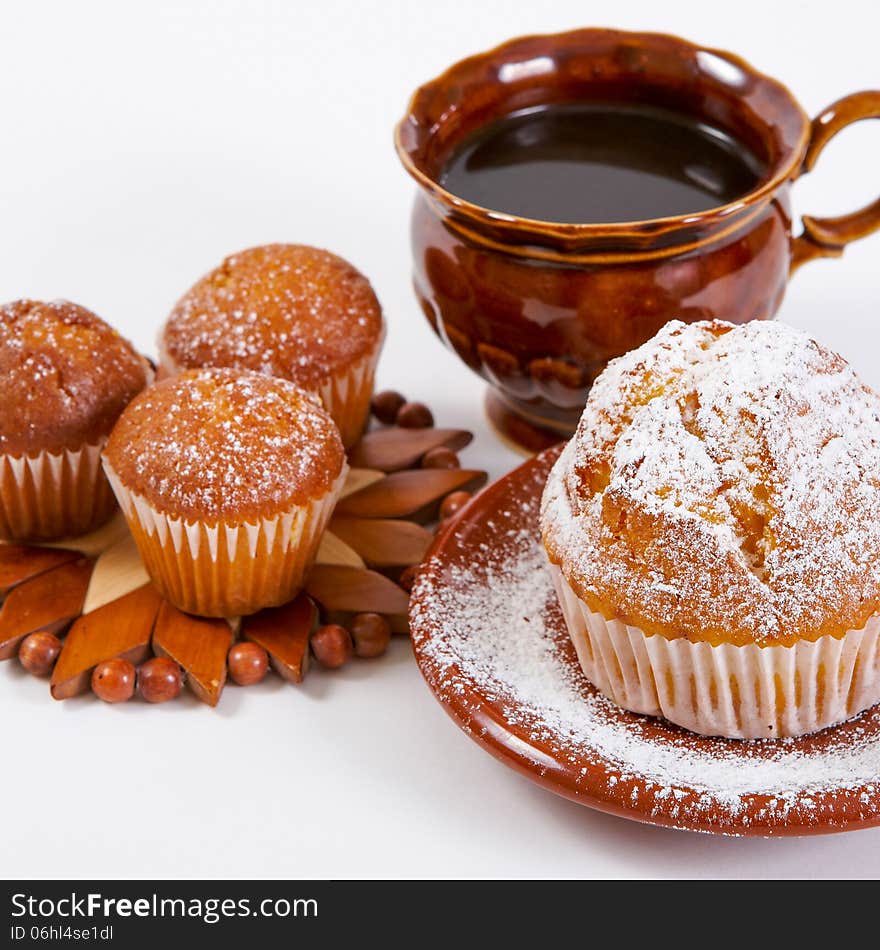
[[84, 613]]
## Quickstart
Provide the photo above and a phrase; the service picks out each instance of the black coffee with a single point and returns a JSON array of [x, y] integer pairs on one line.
[[593, 163]]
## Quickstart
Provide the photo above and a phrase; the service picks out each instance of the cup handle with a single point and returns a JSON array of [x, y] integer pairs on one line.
[[827, 237]]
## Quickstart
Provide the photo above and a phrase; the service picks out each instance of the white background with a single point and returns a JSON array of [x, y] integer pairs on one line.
[[140, 144]]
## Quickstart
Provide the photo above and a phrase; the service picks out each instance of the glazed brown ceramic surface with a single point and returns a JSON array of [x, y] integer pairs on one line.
[[497, 529], [538, 308]]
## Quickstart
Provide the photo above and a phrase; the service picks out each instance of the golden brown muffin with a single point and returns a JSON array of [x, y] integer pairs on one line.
[[65, 376], [227, 479], [714, 529], [287, 310]]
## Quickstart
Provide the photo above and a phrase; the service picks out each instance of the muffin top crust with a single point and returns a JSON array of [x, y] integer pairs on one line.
[[65, 376], [724, 486], [286, 310], [225, 445]]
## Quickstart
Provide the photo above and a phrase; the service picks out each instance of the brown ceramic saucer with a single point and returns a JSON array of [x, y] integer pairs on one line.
[[492, 645]]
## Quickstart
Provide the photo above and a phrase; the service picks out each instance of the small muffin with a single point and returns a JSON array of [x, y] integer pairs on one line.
[[285, 310], [227, 479], [713, 529], [65, 376]]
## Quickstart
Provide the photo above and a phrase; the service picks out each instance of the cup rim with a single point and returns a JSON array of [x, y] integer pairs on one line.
[[784, 168]]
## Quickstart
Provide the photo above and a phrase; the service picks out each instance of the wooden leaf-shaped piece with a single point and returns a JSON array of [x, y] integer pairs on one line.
[[393, 449], [283, 632], [359, 478], [333, 550], [46, 602], [91, 545], [121, 628], [19, 563], [354, 590], [383, 542], [118, 571], [199, 645], [416, 494]]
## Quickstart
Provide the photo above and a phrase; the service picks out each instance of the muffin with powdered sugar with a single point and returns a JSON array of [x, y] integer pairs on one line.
[[714, 532]]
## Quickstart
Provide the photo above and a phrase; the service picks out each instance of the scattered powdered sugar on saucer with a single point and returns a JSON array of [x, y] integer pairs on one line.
[[485, 623]]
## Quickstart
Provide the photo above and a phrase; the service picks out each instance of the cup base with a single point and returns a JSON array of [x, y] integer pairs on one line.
[[524, 435]]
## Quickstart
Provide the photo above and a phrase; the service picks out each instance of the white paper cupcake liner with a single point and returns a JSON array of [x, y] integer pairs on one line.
[[346, 396], [53, 495], [224, 569], [742, 692]]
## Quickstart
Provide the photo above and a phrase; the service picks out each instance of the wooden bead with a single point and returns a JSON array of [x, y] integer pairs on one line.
[[332, 646], [414, 415], [453, 503], [38, 653], [159, 680], [385, 406], [248, 664], [371, 634], [440, 458], [408, 577], [114, 680]]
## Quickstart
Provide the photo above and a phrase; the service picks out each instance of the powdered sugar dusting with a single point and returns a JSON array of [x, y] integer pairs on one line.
[[724, 481], [225, 444], [487, 629], [286, 310]]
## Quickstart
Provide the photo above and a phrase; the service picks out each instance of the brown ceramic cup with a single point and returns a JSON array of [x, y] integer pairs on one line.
[[538, 308]]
